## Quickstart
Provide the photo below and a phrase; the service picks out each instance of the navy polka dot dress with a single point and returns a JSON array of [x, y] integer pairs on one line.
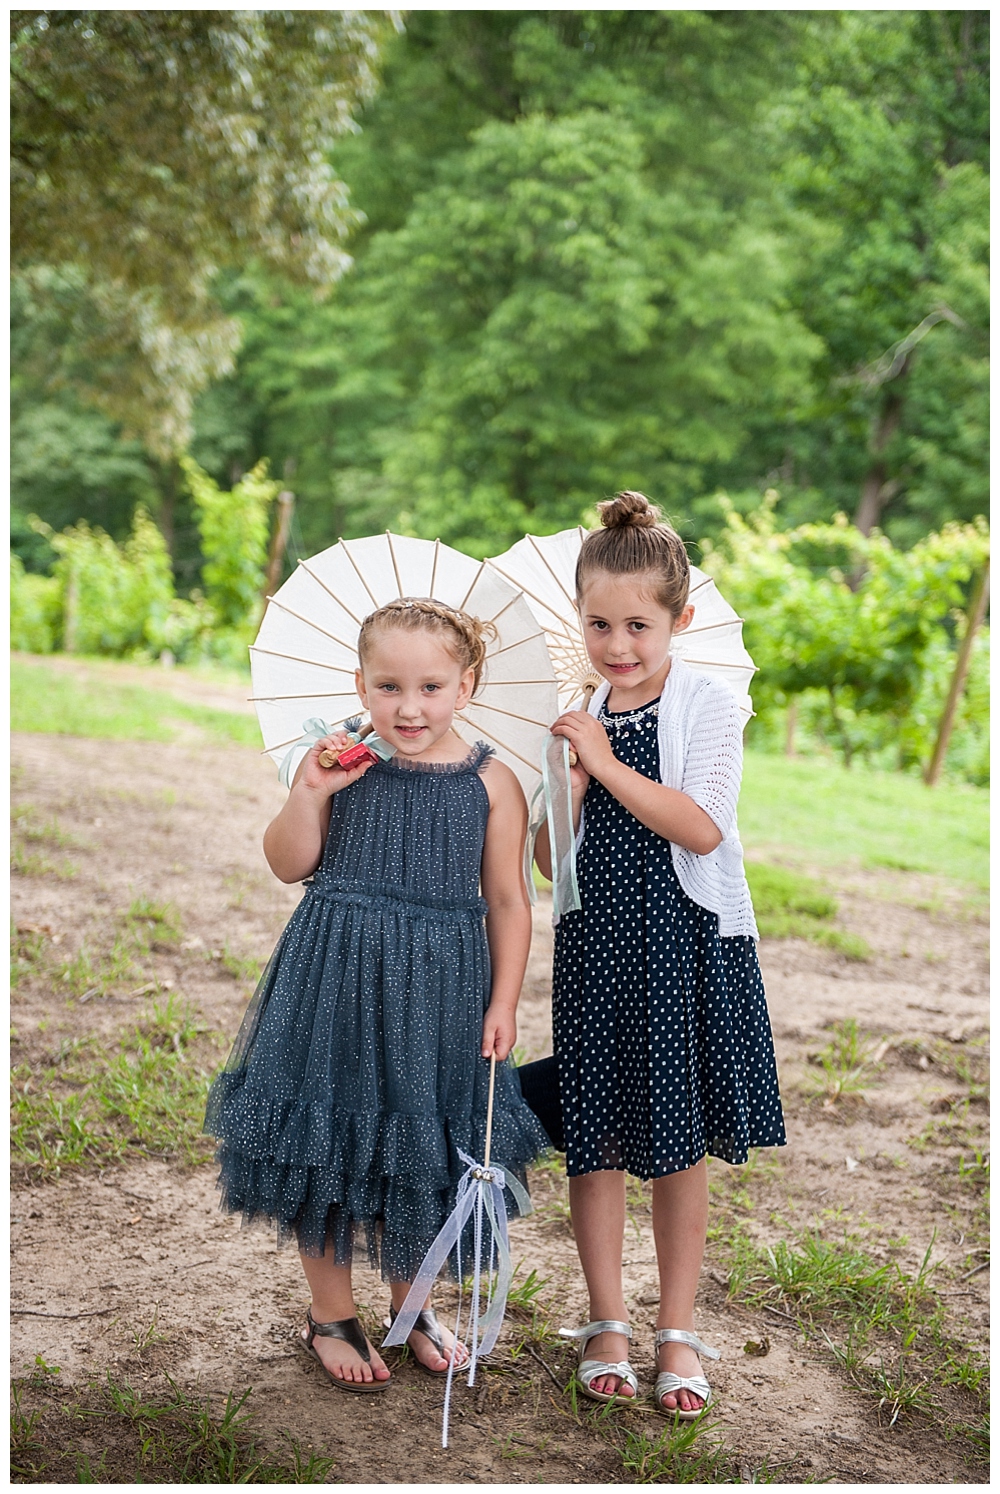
[[356, 1077], [661, 1029]]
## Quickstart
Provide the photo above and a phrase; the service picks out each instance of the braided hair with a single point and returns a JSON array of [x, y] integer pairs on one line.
[[634, 538], [464, 636]]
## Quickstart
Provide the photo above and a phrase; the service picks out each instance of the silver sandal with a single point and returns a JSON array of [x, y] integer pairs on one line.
[[348, 1329], [589, 1370], [667, 1383]]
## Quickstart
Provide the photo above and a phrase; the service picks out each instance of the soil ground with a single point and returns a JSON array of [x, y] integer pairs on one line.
[[133, 1270]]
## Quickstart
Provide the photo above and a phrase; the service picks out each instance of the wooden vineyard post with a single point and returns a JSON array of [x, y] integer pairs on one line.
[[975, 615], [286, 505]]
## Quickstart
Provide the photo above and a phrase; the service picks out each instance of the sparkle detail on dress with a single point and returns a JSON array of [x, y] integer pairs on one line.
[[356, 1079], [661, 1028]]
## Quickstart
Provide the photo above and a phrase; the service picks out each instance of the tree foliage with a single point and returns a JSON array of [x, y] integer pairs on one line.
[[661, 249], [859, 628], [234, 531], [152, 149]]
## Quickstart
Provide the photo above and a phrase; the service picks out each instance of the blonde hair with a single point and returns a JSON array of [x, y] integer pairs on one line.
[[635, 539], [464, 636]]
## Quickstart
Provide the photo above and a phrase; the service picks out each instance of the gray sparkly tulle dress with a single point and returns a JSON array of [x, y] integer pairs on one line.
[[356, 1076]]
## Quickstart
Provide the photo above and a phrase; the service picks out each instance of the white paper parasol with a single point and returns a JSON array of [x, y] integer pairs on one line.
[[544, 567], [305, 655]]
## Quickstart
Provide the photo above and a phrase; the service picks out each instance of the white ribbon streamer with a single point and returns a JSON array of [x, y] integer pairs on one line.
[[480, 1191], [552, 801]]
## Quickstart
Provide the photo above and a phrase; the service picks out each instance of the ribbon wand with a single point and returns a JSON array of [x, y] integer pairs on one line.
[[479, 1199]]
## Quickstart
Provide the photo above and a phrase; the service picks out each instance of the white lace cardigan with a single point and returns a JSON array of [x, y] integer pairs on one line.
[[701, 753]]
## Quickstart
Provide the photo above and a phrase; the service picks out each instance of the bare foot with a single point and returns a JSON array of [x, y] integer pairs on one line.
[[613, 1347], [345, 1363], [680, 1360]]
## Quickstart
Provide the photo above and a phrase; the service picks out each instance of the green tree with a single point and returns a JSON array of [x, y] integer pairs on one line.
[[153, 148], [881, 155], [857, 628], [234, 530], [568, 278]]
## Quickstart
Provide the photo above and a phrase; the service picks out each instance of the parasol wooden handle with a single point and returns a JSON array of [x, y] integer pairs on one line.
[[590, 684], [329, 758], [489, 1109]]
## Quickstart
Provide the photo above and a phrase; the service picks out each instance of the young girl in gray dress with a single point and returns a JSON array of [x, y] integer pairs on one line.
[[661, 1030], [362, 1065]]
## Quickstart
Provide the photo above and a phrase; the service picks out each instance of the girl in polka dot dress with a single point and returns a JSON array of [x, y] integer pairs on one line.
[[362, 1066], [661, 1030]]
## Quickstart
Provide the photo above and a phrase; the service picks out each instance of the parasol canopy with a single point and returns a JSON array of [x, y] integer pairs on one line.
[[544, 568], [305, 654]]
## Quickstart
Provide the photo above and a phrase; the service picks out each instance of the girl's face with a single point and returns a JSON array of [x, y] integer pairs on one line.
[[412, 685], [628, 634]]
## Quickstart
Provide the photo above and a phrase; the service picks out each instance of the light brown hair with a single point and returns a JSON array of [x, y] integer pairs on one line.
[[464, 636], [634, 539]]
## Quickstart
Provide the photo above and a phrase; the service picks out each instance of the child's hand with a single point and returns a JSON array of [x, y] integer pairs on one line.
[[329, 781], [590, 742], [499, 1032]]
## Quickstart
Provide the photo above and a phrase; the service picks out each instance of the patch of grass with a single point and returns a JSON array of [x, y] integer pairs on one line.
[[144, 926], [777, 891], [27, 1450], [836, 1282], [685, 1452], [830, 815], [44, 699], [850, 1062], [91, 1106], [26, 946], [31, 863], [168, 1437], [899, 1390], [523, 1299], [153, 925], [24, 818], [790, 905], [90, 973], [244, 968]]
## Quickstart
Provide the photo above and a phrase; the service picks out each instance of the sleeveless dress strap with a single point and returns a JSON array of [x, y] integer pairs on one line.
[[480, 755]]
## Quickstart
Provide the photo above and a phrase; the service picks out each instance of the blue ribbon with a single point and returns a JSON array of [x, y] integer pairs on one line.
[[480, 1191], [552, 801], [314, 730]]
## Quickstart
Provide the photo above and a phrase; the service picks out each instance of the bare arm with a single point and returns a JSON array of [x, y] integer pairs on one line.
[[293, 841], [666, 811], [508, 922]]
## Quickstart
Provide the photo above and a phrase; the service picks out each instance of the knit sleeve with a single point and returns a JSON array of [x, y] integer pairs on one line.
[[713, 766]]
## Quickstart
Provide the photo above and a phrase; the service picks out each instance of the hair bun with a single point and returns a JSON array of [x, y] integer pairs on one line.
[[629, 510]]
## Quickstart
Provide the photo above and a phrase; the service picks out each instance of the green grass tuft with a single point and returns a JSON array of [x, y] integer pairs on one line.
[[50, 701], [90, 1107], [790, 905], [153, 1438], [834, 816]]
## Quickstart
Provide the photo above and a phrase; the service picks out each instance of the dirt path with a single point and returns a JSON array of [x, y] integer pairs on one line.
[[134, 1271]]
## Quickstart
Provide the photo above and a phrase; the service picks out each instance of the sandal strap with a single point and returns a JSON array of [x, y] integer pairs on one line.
[[668, 1383], [593, 1369], [426, 1322], [590, 1330], [679, 1336], [348, 1329]]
